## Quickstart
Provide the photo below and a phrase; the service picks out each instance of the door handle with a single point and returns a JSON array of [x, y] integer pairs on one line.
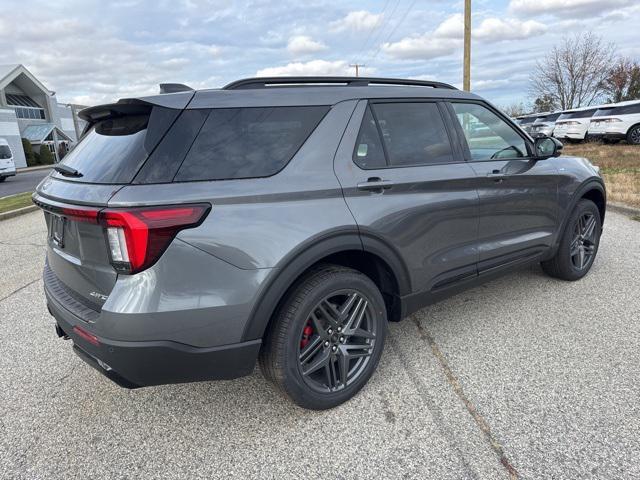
[[375, 184], [497, 176]]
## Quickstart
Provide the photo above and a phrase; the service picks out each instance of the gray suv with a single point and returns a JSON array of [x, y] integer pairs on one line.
[[287, 220]]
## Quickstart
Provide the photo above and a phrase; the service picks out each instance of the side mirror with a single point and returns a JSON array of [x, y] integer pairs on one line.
[[546, 147]]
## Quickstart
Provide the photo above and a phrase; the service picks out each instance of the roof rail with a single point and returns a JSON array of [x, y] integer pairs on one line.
[[264, 82]]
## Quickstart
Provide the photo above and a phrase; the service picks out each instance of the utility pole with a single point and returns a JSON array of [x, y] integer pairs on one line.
[[357, 67], [466, 68]]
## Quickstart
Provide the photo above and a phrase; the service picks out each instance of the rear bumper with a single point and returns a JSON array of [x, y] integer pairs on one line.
[[141, 364], [614, 135]]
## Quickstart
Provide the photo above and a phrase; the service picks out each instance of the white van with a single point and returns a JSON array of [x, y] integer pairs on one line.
[[617, 122], [7, 166], [573, 124]]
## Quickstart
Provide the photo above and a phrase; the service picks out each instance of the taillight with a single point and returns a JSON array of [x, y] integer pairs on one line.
[[572, 123], [612, 120], [136, 237]]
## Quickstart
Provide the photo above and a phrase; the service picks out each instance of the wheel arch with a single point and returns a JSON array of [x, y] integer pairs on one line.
[[370, 255], [591, 189]]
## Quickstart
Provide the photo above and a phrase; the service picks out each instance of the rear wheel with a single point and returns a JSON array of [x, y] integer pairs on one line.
[[579, 243], [327, 338], [633, 135], [2, 179]]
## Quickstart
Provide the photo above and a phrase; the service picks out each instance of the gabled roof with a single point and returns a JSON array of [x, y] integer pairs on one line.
[[8, 73], [37, 133]]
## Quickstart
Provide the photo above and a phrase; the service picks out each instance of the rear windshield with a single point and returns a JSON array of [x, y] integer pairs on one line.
[[602, 112], [5, 152], [114, 149], [581, 114], [527, 120], [548, 118]]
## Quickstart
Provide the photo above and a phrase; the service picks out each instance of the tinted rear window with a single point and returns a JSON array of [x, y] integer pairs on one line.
[[114, 149], [601, 112], [248, 142], [5, 152], [527, 120], [580, 114]]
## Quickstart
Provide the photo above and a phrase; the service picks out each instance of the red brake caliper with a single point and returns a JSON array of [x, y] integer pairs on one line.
[[306, 335]]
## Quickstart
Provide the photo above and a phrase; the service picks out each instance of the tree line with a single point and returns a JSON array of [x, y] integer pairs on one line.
[[583, 70]]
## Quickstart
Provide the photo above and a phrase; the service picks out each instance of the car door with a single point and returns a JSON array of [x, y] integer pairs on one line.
[[407, 185], [518, 210]]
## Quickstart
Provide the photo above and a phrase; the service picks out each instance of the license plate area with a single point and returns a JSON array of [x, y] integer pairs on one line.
[[56, 233]]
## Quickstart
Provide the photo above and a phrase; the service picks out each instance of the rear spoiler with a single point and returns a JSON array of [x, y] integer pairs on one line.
[[134, 106]]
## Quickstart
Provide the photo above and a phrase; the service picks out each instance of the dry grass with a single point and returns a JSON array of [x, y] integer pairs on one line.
[[14, 202], [620, 166]]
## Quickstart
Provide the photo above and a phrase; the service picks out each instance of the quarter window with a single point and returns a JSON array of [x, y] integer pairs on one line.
[[488, 136], [248, 142]]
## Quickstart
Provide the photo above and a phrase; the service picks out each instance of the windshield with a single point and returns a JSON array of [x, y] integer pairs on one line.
[[5, 152]]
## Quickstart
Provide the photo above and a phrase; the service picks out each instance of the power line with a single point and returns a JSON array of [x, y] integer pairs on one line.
[[375, 27], [394, 29], [380, 32]]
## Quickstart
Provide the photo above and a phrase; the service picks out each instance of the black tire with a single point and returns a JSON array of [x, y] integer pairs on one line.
[[633, 135], [567, 264], [2, 179], [281, 357]]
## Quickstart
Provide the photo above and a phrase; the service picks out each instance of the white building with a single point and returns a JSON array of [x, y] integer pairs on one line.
[[29, 110]]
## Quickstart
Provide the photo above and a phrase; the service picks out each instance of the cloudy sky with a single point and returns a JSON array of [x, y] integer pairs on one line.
[[96, 51]]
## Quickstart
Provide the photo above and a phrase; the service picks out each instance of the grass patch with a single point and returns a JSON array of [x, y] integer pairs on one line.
[[13, 202], [620, 167]]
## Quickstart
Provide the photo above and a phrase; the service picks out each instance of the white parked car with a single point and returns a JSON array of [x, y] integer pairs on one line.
[[7, 166], [544, 124], [526, 121], [572, 125], [620, 121]]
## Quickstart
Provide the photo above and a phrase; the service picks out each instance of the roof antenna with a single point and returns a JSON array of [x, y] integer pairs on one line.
[[174, 88]]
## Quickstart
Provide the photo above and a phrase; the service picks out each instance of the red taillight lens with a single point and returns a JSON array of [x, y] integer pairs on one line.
[[92, 339], [81, 214], [136, 237]]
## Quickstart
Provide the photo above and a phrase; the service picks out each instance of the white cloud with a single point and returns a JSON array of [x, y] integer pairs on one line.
[[303, 45], [312, 68], [496, 29], [452, 27], [562, 7], [358, 21], [422, 47]]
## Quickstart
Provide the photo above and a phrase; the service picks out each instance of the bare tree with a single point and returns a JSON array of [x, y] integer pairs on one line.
[[514, 109], [573, 73], [623, 81]]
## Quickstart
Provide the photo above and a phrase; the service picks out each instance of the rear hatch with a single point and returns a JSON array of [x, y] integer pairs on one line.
[[118, 140]]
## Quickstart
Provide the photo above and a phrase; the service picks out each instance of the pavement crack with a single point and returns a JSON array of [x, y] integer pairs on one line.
[[471, 408], [19, 289]]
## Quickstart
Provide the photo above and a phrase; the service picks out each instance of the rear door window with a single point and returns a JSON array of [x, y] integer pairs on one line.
[[413, 133], [248, 142]]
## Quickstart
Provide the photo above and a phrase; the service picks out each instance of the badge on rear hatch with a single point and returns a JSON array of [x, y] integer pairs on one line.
[[57, 230]]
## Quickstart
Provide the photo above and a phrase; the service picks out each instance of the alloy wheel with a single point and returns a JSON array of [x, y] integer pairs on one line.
[[583, 245], [337, 341], [635, 136]]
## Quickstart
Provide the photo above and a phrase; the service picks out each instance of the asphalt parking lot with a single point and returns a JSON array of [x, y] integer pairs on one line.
[[525, 376], [24, 181]]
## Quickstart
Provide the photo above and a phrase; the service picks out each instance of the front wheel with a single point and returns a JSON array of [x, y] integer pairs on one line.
[[2, 179], [327, 338], [578, 245]]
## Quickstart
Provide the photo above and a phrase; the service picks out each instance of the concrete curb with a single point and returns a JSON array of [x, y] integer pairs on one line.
[[17, 212], [33, 169], [624, 209]]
